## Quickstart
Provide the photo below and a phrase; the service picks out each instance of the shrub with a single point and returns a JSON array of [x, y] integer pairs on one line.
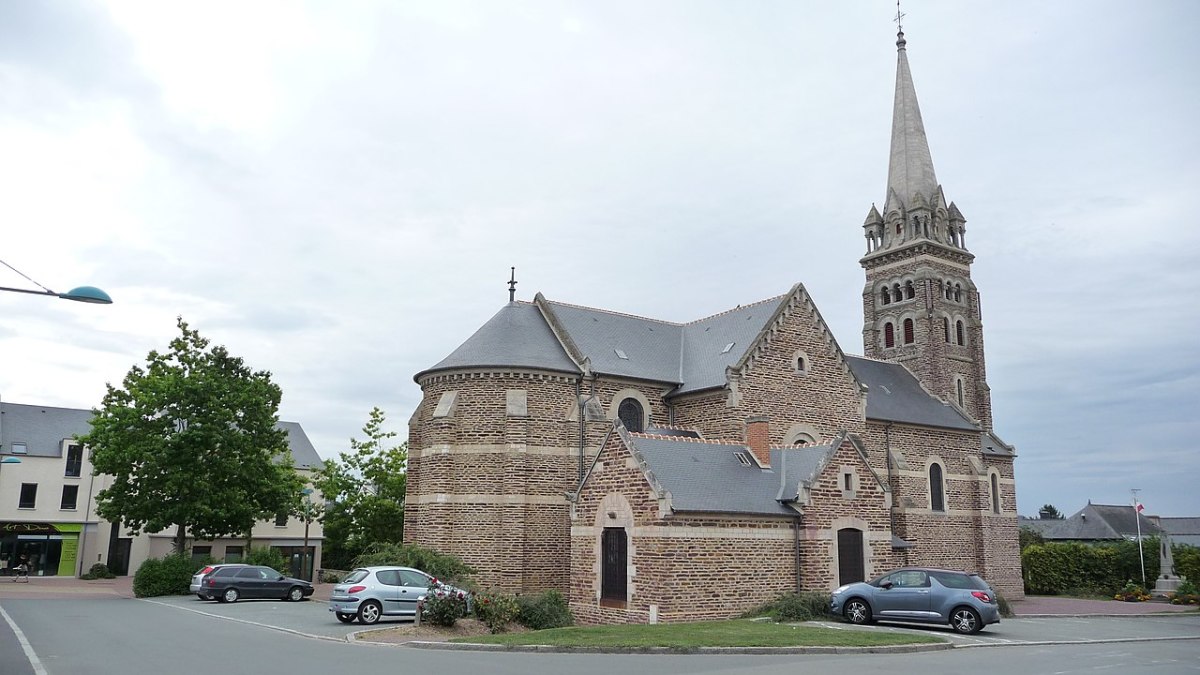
[[333, 576], [443, 609], [1187, 561], [544, 610], [1057, 568], [1186, 594], [1005, 608], [496, 610], [803, 606], [447, 568], [267, 557], [98, 571], [1131, 592], [164, 576]]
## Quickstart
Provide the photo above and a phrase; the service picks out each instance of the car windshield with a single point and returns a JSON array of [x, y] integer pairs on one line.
[[355, 577]]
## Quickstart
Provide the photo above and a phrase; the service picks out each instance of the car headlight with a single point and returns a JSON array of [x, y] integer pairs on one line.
[[840, 589]]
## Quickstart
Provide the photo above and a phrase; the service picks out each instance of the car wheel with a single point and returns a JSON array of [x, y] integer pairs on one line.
[[369, 612], [857, 611], [345, 618], [966, 621], [295, 594], [230, 595]]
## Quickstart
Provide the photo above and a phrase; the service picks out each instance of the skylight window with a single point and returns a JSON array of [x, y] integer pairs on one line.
[[19, 449], [727, 348], [621, 354]]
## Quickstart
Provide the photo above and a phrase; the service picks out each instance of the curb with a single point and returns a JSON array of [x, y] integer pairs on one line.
[[549, 649], [1154, 615], [1045, 643]]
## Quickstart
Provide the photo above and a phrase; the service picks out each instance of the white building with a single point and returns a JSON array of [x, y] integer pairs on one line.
[[48, 503]]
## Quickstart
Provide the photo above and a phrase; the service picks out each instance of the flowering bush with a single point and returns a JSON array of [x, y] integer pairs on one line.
[[1132, 593], [496, 610], [1186, 594], [443, 606]]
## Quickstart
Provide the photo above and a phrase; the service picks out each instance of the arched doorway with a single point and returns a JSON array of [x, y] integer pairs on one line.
[[850, 556]]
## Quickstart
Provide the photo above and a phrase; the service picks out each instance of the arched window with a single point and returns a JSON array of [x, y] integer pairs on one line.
[[947, 290], [889, 335], [908, 331], [801, 366], [896, 294], [995, 493], [937, 497], [885, 296], [946, 328], [958, 332], [958, 292], [909, 291], [958, 384], [631, 415], [803, 440]]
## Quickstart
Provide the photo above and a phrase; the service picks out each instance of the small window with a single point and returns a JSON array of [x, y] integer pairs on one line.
[[958, 331], [937, 496], [233, 554], [741, 457], [803, 440], [958, 292], [995, 493], [946, 328], [889, 335], [621, 354], [958, 385], [631, 415], [28, 496], [201, 553], [908, 332], [885, 296], [19, 449], [74, 460], [281, 519], [909, 291], [70, 497], [847, 481], [800, 366]]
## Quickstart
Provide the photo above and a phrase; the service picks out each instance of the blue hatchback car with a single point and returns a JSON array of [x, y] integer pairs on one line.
[[922, 595]]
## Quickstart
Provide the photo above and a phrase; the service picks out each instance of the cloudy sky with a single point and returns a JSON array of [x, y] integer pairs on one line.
[[336, 192]]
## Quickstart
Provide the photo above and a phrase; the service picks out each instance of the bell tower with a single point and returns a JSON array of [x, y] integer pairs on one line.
[[920, 307]]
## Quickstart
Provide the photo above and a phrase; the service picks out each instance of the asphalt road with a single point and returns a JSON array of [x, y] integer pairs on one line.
[[110, 635]]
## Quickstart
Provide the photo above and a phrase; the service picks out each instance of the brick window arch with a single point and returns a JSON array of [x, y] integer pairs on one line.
[[631, 415], [889, 335], [908, 332], [937, 494]]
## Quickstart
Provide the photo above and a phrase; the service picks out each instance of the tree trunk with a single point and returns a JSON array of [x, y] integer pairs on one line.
[[180, 539]]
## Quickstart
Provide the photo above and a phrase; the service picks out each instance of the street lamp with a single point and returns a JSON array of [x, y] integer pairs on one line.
[[307, 518], [89, 294]]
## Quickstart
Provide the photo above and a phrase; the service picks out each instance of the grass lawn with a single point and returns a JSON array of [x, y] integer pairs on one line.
[[735, 633]]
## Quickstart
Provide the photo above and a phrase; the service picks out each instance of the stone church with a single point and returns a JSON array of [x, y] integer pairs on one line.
[[661, 471]]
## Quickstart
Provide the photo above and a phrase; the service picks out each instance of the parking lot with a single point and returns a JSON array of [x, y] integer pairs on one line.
[[311, 618]]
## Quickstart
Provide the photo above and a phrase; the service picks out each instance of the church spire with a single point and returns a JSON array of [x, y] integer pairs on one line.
[[910, 169]]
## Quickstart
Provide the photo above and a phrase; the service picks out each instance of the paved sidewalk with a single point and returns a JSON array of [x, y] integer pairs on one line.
[[1049, 605]]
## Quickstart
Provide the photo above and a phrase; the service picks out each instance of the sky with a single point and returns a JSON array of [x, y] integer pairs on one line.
[[336, 192]]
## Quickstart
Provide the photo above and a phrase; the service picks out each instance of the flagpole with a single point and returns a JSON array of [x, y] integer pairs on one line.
[[1136, 519]]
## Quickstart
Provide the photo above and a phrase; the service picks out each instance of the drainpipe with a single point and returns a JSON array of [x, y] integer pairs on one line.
[[582, 424], [796, 523]]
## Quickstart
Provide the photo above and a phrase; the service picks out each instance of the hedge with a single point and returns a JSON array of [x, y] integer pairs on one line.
[[1074, 568]]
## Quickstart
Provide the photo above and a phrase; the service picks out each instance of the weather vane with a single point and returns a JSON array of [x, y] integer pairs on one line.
[[899, 16]]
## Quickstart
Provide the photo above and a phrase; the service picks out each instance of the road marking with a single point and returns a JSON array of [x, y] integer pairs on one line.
[[34, 661], [245, 621]]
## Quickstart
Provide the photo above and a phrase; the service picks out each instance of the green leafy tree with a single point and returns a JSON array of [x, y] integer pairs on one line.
[[190, 441], [364, 492], [1048, 512]]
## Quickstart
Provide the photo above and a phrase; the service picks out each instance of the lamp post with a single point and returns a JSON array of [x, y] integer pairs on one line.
[[307, 518], [89, 294]]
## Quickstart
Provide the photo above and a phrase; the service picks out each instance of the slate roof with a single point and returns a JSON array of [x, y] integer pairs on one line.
[[708, 477], [1182, 530], [517, 336], [43, 429], [895, 395], [1094, 522]]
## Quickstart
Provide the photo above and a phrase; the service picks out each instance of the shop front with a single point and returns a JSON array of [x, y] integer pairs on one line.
[[49, 549]]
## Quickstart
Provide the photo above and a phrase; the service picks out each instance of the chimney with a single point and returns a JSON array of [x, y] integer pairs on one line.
[[758, 437]]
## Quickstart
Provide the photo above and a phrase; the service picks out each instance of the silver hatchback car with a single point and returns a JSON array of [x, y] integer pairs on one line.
[[371, 593], [921, 595]]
